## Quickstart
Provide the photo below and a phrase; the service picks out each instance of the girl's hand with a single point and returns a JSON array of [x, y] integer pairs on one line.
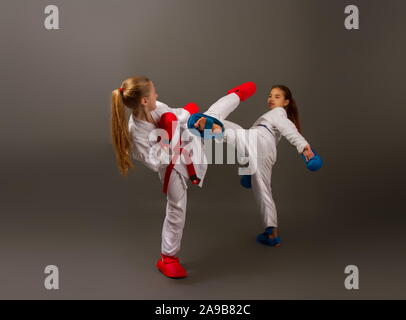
[[308, 153], [216, 128], [200, 124]]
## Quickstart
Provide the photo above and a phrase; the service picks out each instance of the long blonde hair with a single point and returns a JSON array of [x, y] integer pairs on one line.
[[129, 95]]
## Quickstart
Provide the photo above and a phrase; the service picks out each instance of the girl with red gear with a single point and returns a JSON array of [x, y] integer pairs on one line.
[[135, 138]]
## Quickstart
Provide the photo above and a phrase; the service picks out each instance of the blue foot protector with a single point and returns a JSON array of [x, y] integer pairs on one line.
[[314, 163], [263, 238], [206, 133], [245, 181]]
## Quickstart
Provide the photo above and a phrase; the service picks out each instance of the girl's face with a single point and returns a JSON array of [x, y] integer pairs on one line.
[[150, 102], [276, 98]]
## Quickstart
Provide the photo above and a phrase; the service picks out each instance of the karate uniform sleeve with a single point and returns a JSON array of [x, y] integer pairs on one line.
[[287, 129]]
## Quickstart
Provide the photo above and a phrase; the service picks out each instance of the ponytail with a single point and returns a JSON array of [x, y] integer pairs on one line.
[[120, 135], [293, 114]]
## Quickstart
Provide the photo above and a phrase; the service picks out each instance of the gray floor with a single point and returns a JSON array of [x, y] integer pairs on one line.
[[103, 232]]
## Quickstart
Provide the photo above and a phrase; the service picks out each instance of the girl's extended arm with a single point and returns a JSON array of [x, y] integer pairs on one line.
[[288, 129]]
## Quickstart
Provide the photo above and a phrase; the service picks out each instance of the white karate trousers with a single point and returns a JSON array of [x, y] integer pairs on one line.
[[261, 150], [175, 217], [175, 214]]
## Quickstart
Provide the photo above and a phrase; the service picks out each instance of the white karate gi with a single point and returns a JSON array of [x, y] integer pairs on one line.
[[177, 190], [263, 152]]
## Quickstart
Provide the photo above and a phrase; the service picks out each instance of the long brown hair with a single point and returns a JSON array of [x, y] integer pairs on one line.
[[129, 95], [291, 109]]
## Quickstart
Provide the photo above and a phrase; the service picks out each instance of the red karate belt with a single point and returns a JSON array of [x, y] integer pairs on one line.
[[178, 151]]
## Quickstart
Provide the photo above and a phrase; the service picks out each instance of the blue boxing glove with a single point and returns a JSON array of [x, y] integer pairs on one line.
[[314, 163], [207, 133]]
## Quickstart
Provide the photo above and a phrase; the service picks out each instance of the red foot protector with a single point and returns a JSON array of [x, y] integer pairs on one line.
[[171, 267], [245, 90], [192, 108]]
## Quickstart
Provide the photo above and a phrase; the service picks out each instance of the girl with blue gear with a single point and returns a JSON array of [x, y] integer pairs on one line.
[[281, 120]]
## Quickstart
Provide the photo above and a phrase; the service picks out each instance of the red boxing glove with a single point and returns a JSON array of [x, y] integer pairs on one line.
[[167, 123], [245, 90], [192, 108]]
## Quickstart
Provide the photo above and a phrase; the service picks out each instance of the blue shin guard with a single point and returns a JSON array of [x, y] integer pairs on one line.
[[265, 240], [245, 181], [314, 163], [207, 132]]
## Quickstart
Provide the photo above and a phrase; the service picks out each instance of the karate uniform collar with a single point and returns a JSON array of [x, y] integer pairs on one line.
[[280, 108]]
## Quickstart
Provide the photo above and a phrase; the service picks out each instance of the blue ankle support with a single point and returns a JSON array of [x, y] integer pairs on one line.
[[269, 230], [265, 240]]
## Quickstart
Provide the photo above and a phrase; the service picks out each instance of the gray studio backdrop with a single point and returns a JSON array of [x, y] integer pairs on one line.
[[64, 203]]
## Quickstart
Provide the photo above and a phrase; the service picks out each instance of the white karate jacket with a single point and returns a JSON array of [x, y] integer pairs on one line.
[[146, 149], [278, 123]]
